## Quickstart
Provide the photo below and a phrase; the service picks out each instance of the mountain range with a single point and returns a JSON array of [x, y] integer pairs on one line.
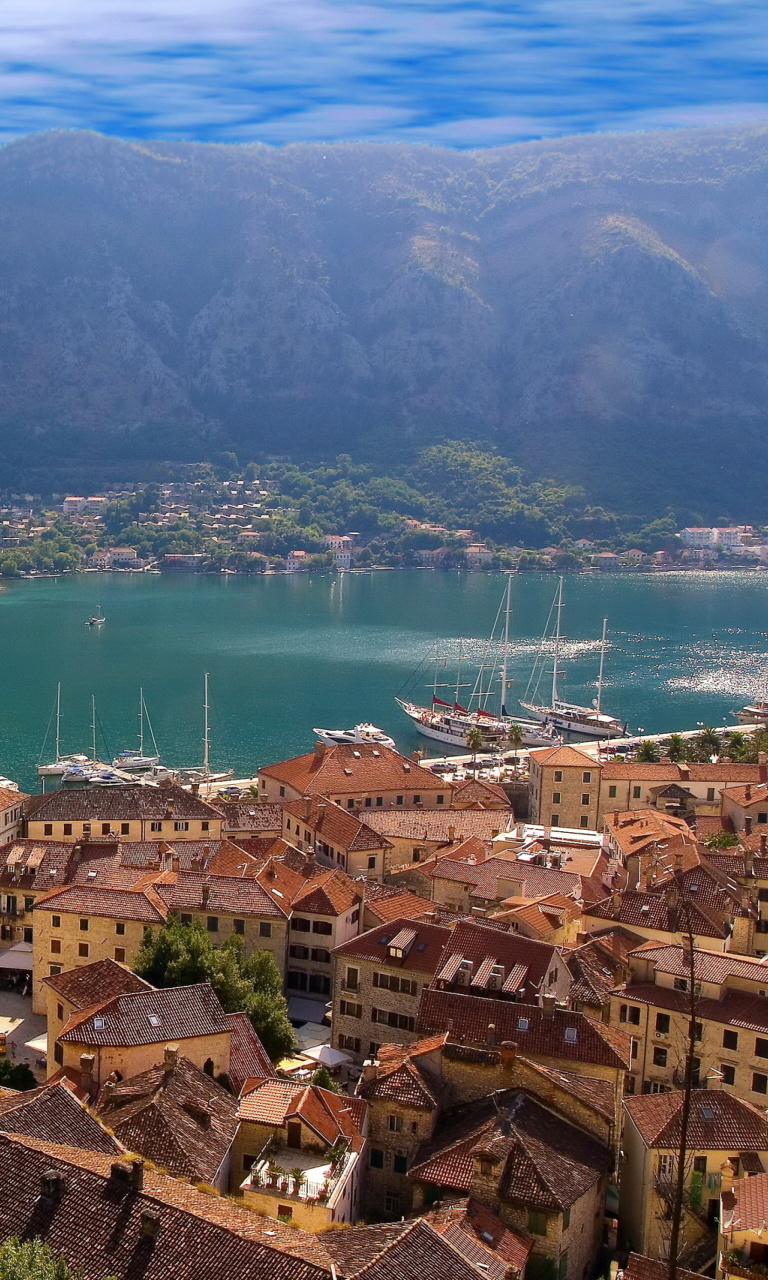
[[595, 308]]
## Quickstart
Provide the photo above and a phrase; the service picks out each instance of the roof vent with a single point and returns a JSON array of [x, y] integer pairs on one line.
[[356, 754], [376, 754]]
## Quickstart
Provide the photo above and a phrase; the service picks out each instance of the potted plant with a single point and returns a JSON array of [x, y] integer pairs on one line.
[[299, 1178]]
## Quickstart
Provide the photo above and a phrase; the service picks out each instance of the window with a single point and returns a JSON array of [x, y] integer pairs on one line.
[[282, 792], [612, 793], [558, 775], [55, 946], [320, 983], [537, 1222], [349, 1010], [730, 1039], [181, 826], [300, 925], [664, 1166], [762, 817], [728, 1073], [351, 1043], [586, 776], [659, 1057], [699, 1164], [60, 1012], [125, 828], [55, 922], [761, 1048], [205, 826], [398, 800], [265, 928], [239, 926], [67, 828], [417, 799], [350, 804], [298, 953], [681, 984], [555, 797], [379, 801], [186, 918], [58, 1052], [636, 793], [584, 820], [376, 1158], [53, 969], [106, 829], [155, 826], [585, 797], [391, 1202], [120, 955], [321, 955], [630, 1013], [562, 1266], [120, 928], [441, 799], [212, 924], [710, 794], [372, 862], [762, 895], [296, 979], [352, 980], [663, 1023], [368, 802], [83, 950], [285, 1211], [759, 1083], [27, 934], [400, 1162], [566, 1219], [48, 828], [84, 926], [554, 819], [322, 926]]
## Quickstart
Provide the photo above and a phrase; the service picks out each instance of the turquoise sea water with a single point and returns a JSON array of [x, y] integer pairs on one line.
[[288, 653]]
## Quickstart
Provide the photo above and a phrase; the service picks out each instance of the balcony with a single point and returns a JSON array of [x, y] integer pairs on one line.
[[738, 1263], [310, 1177]]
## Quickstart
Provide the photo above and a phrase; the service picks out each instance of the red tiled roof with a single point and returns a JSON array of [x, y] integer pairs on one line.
[[747, 796], [641, 1268], [120, 804], [497, 1247], [480, 791], [115, 904], [362, 767], [149, 1017], [652, 911], [94, 983], [551, 756], [397, 905], [403, 1083], [710, 966], [524, 959], [330, 1115], [54, 1113], [718, 1121], [417, 1245], [746, 1204], [436, 825], [615, 771], [334, 825], [470, 1017], [329, 893], [423, 955], [230, 894], [249, 815], [247, 1055]]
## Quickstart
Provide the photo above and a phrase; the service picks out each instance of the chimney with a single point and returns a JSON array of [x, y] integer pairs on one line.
[[175, 862], [616, 818], [319, 751], [196, 864], [195, 788], [749, 859], [107, 1092], [169, 806], [206, 893], [451, 834], [678, 862], [747, 826], [748, 792], [490, 1035], [672, 893], [137, 1174], [51, 1186], [87, 1061], [508, 1052], [170, 1057], [616, 903], [763, 842], [77, 852], [206, 854], [307, 808], [548, 1002], [150, 1226]]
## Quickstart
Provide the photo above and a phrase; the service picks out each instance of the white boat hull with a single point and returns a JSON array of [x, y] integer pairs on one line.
[[454, 732], [574, 726], [370, 735], [135, 762]]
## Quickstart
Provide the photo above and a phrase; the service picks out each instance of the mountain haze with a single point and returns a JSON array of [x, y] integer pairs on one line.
[[596, 308]]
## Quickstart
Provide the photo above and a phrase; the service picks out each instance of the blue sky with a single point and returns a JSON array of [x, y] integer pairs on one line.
[[455, 72]]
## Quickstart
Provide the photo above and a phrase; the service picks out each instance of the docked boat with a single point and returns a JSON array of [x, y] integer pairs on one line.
[[569, 718], [59, 766], [138, 761], [451, 722], [755, 713], [367, 733]]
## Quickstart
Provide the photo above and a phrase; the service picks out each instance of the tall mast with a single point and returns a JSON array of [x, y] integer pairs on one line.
[[602, 664], [93, 723], [502, 704], [557, 643], [58, 721], [206, 747], [141, 722]]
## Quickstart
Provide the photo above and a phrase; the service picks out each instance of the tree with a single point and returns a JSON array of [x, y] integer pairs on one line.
[[675, 747], [708, 742], [647, 752], [474, 741], [179, 954], [515, 738], [16, 1075], [325, 1080], [33, 1260]]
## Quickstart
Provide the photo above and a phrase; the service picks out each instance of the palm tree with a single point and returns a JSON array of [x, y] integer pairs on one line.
[[708, 741], [515, 738], [475, 742], [647, 752], [675, 747]]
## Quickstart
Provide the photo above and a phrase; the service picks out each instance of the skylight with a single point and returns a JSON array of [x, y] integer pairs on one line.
[[522, 1024], [153, 1020], [98, 1024], [707, 1113], [570, 1035]]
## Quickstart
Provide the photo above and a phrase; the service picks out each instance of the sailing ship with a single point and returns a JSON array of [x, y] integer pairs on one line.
[[204, 774], [569, 718], [58, 767], [451, 722], [138, 761]]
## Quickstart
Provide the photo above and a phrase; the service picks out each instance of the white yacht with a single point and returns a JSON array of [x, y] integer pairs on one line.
[[569, 718], [754, 713], [367, 733]]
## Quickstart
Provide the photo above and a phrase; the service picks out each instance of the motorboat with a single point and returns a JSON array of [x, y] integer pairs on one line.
[[369, 734], [754, 713]]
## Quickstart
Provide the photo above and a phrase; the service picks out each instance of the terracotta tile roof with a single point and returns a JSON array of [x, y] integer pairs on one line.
[[174, 1115], [54, 1113], [710, 966], [479, 791], [523, 961], [652, 911], [230, 894], [593, 1092], [747, 796], [746, 1204], [121, 804], [492, 1244], [115, 904], [149, 1017], [398, 905], [736, 1008], [551, 756], [357, 1246], [536, 882], [470, 1017], [330, 893], [405, 1257], [543, 1161], [9, 799], [403, 1083], [707, 887], [599, 966], [614, 771], [37, 864], [422, 956], [96, 1222], [331, 1115], [249, 815], [362, 767], [94, 983], [389, 1054], [247, 1055], [639, 1267], [283, 881], [334, 825], [545, 916], [718, 1121], [437, 824]]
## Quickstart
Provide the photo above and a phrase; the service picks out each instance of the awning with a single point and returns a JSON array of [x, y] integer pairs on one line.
[[301, 1009], [329, 1057], [17, 957], [311, 1035]]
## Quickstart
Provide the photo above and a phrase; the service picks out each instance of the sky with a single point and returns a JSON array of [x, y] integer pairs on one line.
[[460, 73]]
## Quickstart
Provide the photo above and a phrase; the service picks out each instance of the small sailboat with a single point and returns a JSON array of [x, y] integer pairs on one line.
[[96, 619], [568, 718], [137, 761], [84, 771], [204, 774]]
